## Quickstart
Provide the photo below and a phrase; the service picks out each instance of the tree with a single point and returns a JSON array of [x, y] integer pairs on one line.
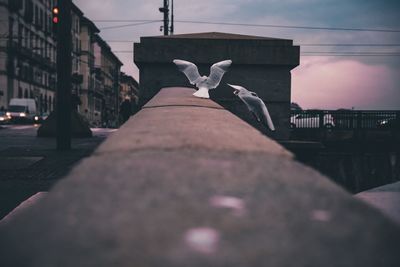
[[295, 106]]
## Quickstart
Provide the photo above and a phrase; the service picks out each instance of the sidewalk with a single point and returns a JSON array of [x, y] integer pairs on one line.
[[29, 164]]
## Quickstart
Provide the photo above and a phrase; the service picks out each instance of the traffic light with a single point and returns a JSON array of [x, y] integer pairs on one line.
[[55, 19], [56, 12]]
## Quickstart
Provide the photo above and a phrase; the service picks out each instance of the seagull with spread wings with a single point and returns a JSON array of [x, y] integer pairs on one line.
[[203, 83], [256, 106]]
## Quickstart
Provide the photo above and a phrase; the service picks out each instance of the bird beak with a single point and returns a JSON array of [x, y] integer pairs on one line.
[[235, 90]]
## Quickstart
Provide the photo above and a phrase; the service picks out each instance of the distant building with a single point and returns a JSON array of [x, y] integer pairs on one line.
[[106, 91], [77, 77], [129, 89], [88, 69]]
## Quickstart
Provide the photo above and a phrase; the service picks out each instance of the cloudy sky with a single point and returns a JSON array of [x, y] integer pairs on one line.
[[327, 77]]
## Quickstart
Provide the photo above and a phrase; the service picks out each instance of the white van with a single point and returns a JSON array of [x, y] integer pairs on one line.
[[22, 109]]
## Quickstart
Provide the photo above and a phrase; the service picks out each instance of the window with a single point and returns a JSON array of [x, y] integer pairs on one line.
[[36, 15], [20, 34], [41, 17], [50, 104]]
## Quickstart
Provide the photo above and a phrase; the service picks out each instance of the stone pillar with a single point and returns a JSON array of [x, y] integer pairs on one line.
[[260, 64]]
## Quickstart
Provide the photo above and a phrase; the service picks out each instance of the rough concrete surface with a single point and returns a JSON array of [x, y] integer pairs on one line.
[[385, 198], [172, 204], [168, 121]]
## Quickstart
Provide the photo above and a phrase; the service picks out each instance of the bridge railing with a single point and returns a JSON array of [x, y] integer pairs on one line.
[[345, 119]]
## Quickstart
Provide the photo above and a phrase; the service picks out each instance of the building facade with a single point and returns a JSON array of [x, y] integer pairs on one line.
[[87, 60], [28, 61], [27, 52], [129, 89], [107, 84]]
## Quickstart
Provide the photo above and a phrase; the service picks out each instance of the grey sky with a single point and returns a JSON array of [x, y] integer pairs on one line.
[[371, 14]]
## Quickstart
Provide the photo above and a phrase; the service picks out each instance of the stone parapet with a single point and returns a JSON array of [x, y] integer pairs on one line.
[[186, 183]]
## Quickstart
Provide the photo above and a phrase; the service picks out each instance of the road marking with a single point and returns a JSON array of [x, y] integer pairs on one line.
[[19, 127]]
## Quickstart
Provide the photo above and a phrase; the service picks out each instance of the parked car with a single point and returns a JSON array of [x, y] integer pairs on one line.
[[40, 118], [4, 118], [389, 123], [311, 120]]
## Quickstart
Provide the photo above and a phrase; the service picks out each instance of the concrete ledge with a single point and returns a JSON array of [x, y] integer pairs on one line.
[[385, 198], [174, 119], [148, 199], [179, 97]]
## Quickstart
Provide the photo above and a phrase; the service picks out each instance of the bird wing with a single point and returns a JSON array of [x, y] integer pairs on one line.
[[216, 72], [258, 108], [267, 117], [189, 69]]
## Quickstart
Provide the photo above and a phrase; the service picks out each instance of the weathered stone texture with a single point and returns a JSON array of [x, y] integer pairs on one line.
[[151, 183]]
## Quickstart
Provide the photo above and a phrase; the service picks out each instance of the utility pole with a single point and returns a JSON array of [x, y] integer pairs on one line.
[[172, 18], [64, 69], [165, 10]]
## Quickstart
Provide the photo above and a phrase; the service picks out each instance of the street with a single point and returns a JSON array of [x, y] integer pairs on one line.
[[29, 164]]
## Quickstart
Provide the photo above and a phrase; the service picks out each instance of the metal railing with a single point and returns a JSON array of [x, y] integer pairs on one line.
[[345, 119]]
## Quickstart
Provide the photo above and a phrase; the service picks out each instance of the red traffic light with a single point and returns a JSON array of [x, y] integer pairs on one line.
[[55, 12]]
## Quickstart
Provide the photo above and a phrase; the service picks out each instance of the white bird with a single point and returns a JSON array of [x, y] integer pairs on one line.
[[255, 105], [203, 83]]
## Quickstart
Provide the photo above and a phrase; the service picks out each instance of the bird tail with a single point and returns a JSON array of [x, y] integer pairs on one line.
[[202, 92]]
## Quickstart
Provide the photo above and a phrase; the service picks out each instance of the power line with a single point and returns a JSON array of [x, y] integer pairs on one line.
[[328, 45], [350, 55], [288, 26], [129, 25], [319, 53], [299, 44], [349, 45], [250, 25], [347, 52], [123, 20]]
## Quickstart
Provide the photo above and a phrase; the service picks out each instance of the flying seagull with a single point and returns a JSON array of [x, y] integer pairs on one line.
[[254, 104], [203, 83]]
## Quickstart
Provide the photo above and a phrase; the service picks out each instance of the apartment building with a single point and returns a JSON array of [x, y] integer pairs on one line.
[[27, 52], [129, 89], [28, 61], [87, 69], [107, 85]]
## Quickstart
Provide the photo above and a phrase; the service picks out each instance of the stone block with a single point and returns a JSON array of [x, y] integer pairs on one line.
[[260, 64]]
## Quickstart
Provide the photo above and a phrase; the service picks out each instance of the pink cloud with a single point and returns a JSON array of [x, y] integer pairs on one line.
[[323, 83]]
